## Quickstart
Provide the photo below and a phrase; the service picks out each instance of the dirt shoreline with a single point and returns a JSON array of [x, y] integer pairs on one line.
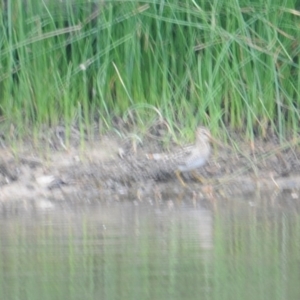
[[113, 168]]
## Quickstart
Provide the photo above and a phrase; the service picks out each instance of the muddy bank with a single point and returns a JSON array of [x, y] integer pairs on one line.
[[118, 168]]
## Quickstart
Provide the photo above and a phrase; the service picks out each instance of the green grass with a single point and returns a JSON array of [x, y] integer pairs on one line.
[[219, 63]]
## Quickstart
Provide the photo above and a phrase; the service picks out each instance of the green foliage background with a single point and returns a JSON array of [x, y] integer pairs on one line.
[[225, 63]]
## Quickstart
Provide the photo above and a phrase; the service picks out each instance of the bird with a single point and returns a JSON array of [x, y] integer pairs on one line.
[[188, 159]]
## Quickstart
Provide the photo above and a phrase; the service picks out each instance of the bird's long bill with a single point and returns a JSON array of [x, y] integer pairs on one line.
[[213, 140]]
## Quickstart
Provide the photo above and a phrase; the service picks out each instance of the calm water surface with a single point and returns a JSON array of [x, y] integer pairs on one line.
[[169, 249]]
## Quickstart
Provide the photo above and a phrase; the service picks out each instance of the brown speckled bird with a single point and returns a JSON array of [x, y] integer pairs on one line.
[[189, 158]]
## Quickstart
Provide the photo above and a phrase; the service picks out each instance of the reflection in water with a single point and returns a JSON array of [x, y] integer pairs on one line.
[[135, 250]]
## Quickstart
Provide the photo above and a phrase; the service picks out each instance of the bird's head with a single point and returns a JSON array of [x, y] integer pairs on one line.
[[203, 134]]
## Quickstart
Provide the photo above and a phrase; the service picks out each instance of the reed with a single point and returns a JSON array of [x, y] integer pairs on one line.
[[223, 63]]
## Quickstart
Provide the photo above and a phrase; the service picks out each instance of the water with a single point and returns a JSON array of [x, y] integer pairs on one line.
[[168, 249]]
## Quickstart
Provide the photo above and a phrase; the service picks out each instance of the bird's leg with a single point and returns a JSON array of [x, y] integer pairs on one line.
[[178, 175], [198, 177]]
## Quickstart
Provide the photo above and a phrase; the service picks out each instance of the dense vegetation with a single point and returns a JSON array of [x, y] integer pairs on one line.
[[225, 63]]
